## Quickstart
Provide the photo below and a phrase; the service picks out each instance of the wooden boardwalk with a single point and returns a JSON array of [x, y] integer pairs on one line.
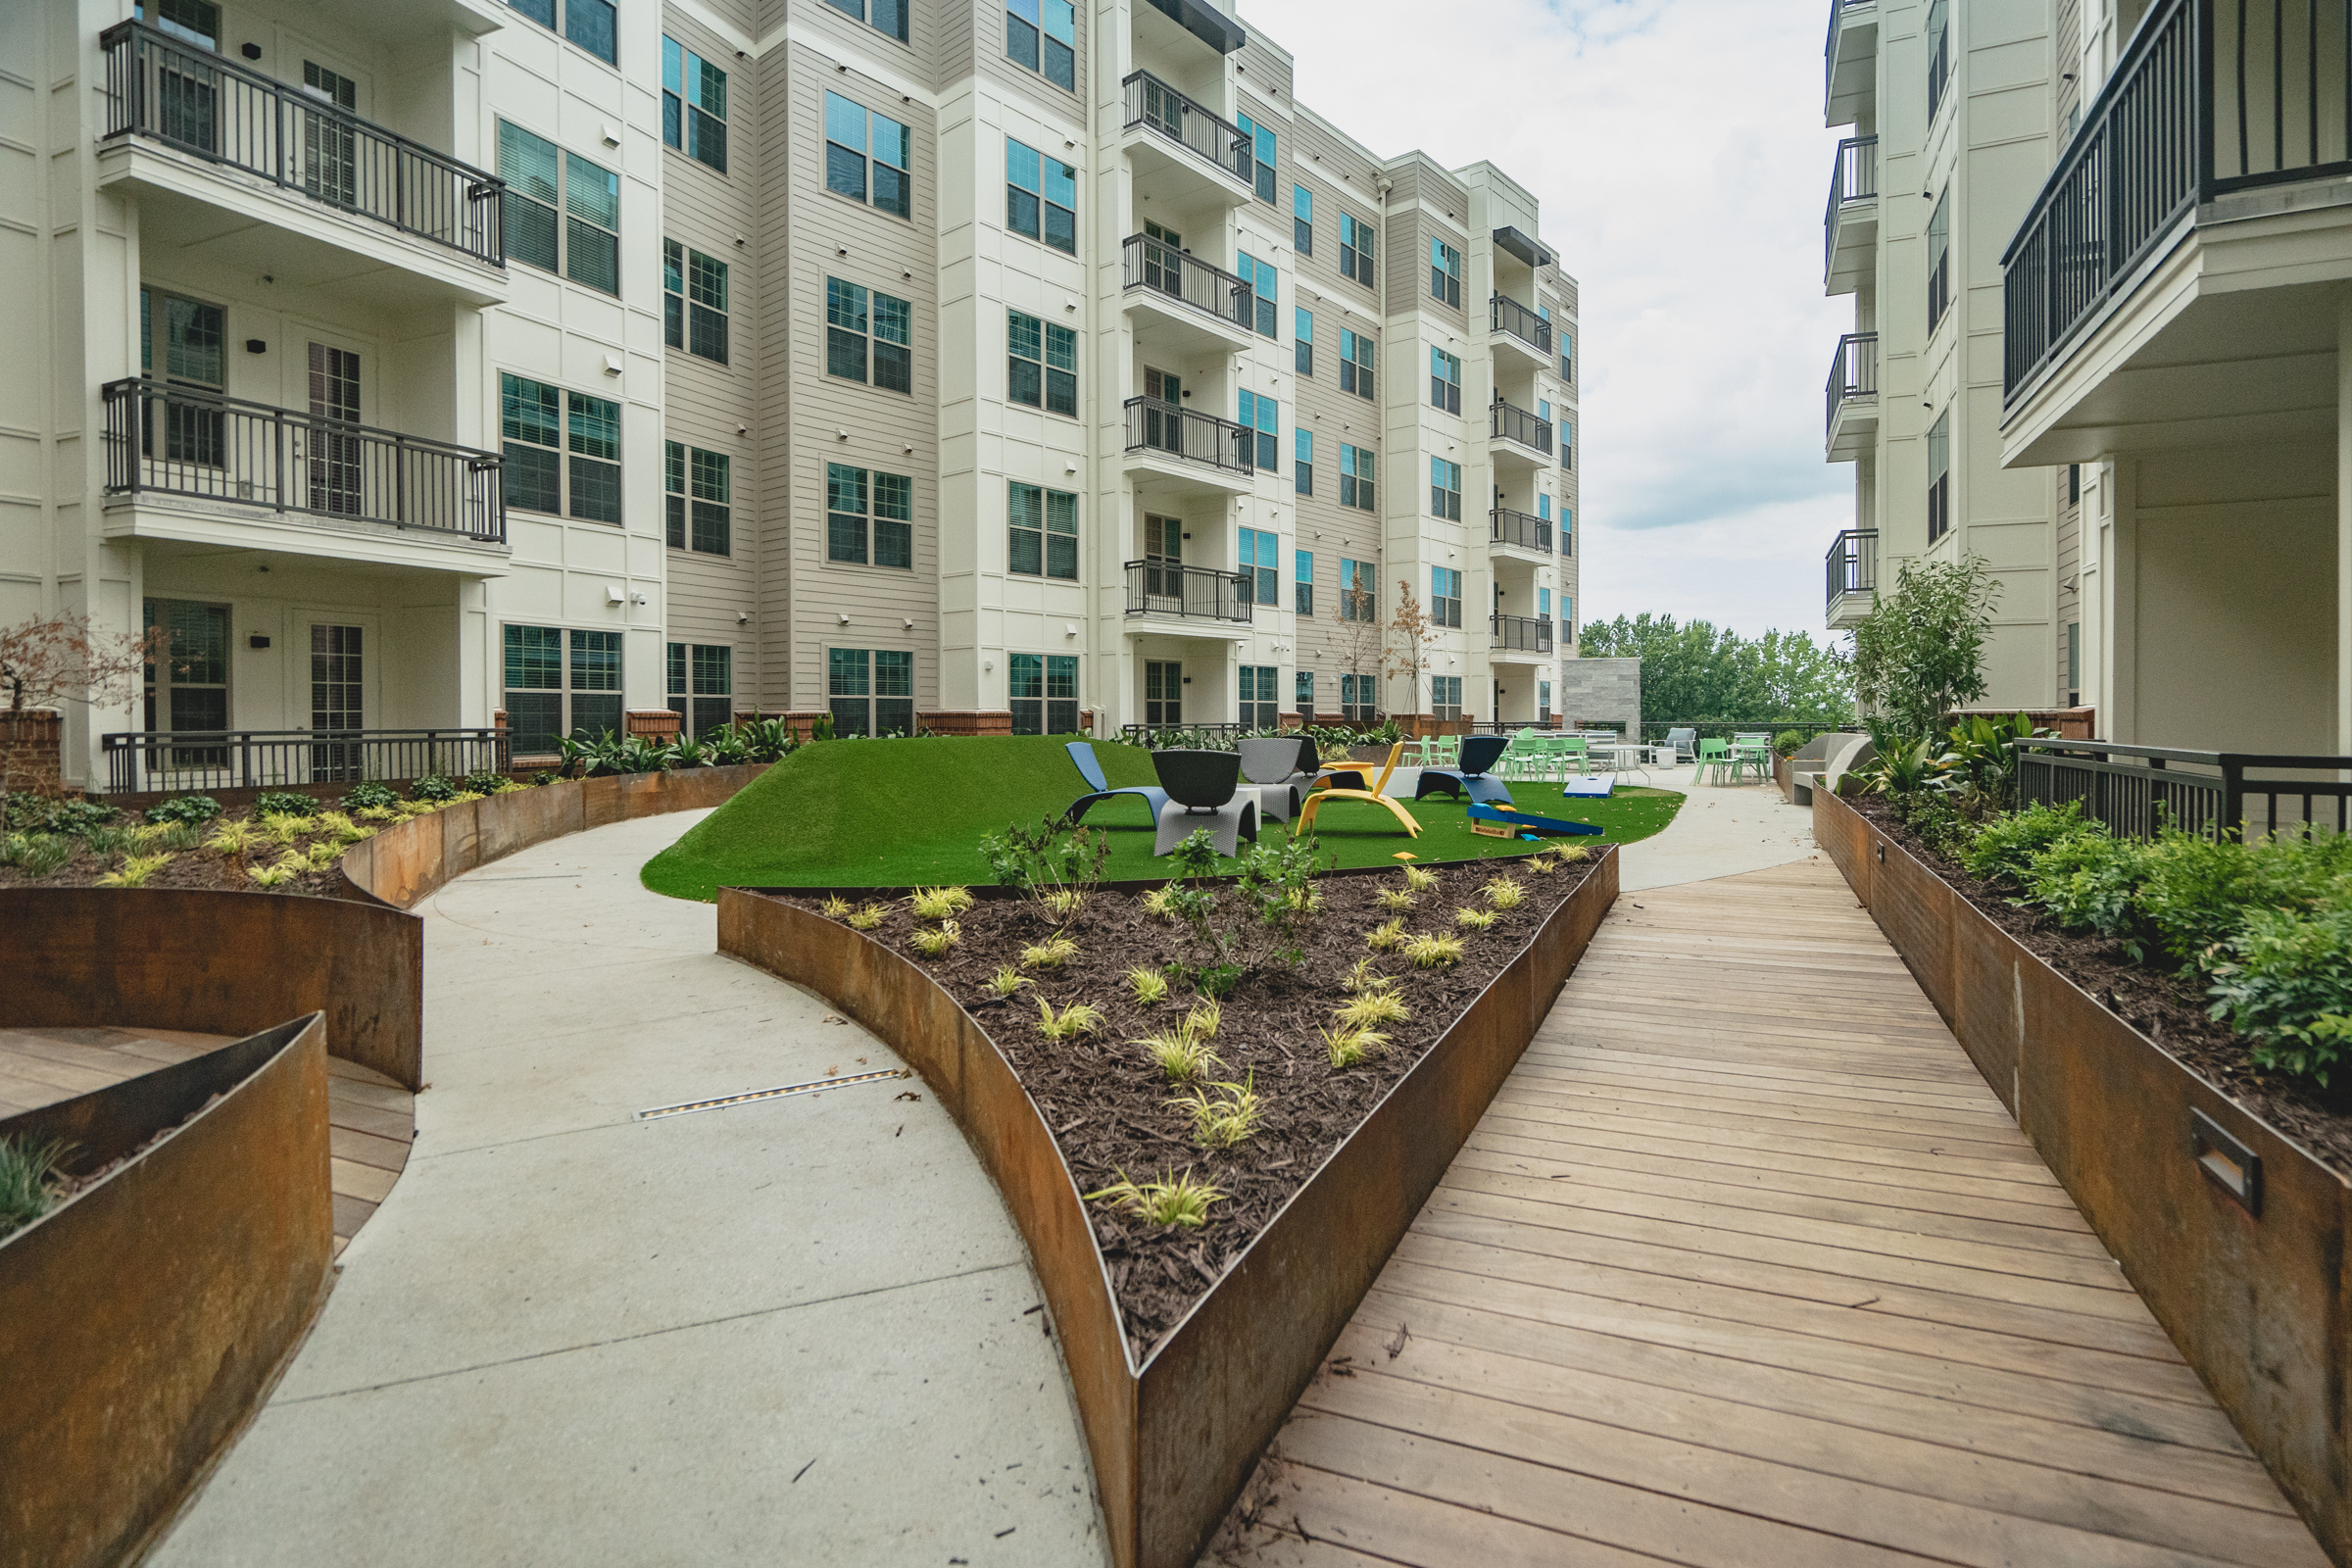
[[371, 1120], [1745, 1265]]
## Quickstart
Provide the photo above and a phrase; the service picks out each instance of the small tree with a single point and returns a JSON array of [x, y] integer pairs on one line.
[[1919, 652], [50, 662], [1360, 634], [1412, 634]]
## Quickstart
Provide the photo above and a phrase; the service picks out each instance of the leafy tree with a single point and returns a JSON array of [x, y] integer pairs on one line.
[[1414, 634], [1696, 671], [49, 661], [1919, 652]]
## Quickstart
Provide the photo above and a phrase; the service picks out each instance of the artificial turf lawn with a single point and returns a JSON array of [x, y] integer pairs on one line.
[[911, 813]]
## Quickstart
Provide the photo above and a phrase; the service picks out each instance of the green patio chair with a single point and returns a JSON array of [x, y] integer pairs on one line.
[[1715, 755], [1575, 754]]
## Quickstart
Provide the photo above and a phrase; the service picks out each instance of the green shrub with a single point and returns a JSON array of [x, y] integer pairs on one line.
[[2286, 986], [283, 803], [2005, 847], [33, 814], [191, 809], [432, 787], [28, 1171], [36, 855], [2086, 881], [1788, 742], [488, 782], [369, 796]]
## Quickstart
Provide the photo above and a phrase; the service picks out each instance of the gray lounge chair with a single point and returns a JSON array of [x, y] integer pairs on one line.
[[1684, 743], [1479, 753], [1204, 791], [1090, 768], [1279, 770]]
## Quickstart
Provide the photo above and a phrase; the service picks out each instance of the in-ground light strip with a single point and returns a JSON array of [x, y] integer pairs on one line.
[[816, 1085]]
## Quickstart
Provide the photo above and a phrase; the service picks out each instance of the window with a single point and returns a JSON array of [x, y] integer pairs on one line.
[[694, 302], [189, 339], [1355, 476], [586, 22], [540, 443], [589, 250], [1041, 196], [1261, 703], [872, 691], [1444, 597], [1939, 54], [1357, 248], [1567, 529], [1940, 260], [1359, 595], [1265, 284], [1164, 693], [694, 105], [1261, 567], [196, 21], [1302, 462], [1567, 443], [1544, 604], [1544, 508], [1041, 363], [1303, 694], [1302, 333], [1264, 415], [853, 334], [1360, 703], [1044, 533], [1302, 584], [1567, 353], [673, 494], [1568, 616], [1262, 138], [848, 514], [1043, 688], [188, 689], [1445, 381], [560, 685], [698, 499], [701, 686], [2074, 664], [1445, 489], [1302, 219], [1356, 363], [1043, 35], [1444, 272], [868, 157], [2074, 484], [1446, 697], [886, 15], [1939, 476]]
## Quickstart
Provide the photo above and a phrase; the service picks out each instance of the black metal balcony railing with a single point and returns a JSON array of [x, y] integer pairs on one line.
[[1853, 180], [1853, 372], [2137, 791], [1853, 564], [1506, 315], [1166, 588], [139, 761], [2211, 96], [197, 103], [1164, 269], [1155, 104], [183, 441], [1524, 529], [1525, 633], [1509, 422], [1154, 425]]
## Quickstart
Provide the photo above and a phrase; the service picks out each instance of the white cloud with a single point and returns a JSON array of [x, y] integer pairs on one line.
[[1677, 149]]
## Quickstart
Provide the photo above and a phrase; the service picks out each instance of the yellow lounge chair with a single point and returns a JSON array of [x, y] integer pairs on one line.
[[1377, 795]]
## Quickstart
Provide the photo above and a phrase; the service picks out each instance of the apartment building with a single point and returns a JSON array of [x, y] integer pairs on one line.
[[431, 365], [2179, 330], [1954, 106]]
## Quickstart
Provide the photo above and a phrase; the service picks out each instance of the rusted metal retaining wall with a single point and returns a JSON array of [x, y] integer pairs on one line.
[[1173, 1440], [2252, 1284], [140, 1321]]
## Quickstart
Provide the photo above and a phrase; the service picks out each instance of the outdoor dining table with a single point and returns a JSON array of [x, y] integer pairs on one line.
[[1754, 755], [1630, 759]]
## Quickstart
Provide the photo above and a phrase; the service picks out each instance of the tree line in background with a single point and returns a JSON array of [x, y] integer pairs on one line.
[[1696, 671]]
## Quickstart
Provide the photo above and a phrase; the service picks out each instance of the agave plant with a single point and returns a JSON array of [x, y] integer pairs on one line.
[[1051, 954], [1226, 1118], [1149, 986], [135, 870], [1474, 919], [1078, 1018], [1006, 981], [273, 877], [1505, 894], [1173, 1199], [933, 942], [1387, 937], [1372, 1007], [1434, 953], [1349, 1043]]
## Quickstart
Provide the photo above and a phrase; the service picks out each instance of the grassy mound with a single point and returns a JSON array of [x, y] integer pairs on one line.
[[897, 813]]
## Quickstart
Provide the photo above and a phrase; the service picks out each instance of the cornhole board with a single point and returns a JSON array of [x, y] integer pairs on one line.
[[1525, 822], [1593, 787]]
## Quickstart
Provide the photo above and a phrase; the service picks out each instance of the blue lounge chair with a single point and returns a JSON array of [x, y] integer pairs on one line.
[[1090, 768], [1479, 753]]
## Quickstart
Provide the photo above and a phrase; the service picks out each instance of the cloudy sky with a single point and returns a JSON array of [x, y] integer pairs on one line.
[[1677, 149]]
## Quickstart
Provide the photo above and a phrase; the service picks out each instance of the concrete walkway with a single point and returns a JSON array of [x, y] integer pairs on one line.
[[795, 1331], [1722, 830]]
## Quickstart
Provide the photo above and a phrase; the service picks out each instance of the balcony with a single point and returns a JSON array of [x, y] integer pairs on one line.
[[1188, 593], [1516, 437], [1849, 230], [318, 196], [1177, 142], [1853, 572], [1186, 304], [1850, 61], [142, 760], [200, 468], [1513, 327], [1528, 635], [1853, 397], [1182, 451], [1519, 531]]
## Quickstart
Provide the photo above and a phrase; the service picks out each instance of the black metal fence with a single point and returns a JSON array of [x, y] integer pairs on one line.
[[194, 102], [2137, 791], [1520, 633], [1156, 425], [1166, 270], [1151, 103], [1165, 588], [1509, 422], [183, 441], [1506, 315], [1853, 179], [1853, 372], [1853, 564], [142, 760], [1524, 529]]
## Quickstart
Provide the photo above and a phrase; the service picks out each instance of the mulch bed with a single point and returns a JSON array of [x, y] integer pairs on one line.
[[2166, 1008], [1107, 1103], [200, 868]]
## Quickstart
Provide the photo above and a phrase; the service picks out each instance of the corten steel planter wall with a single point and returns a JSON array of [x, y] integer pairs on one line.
[[1173, 1440], [2259, 1301], [141, 1321], [218, 963]]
